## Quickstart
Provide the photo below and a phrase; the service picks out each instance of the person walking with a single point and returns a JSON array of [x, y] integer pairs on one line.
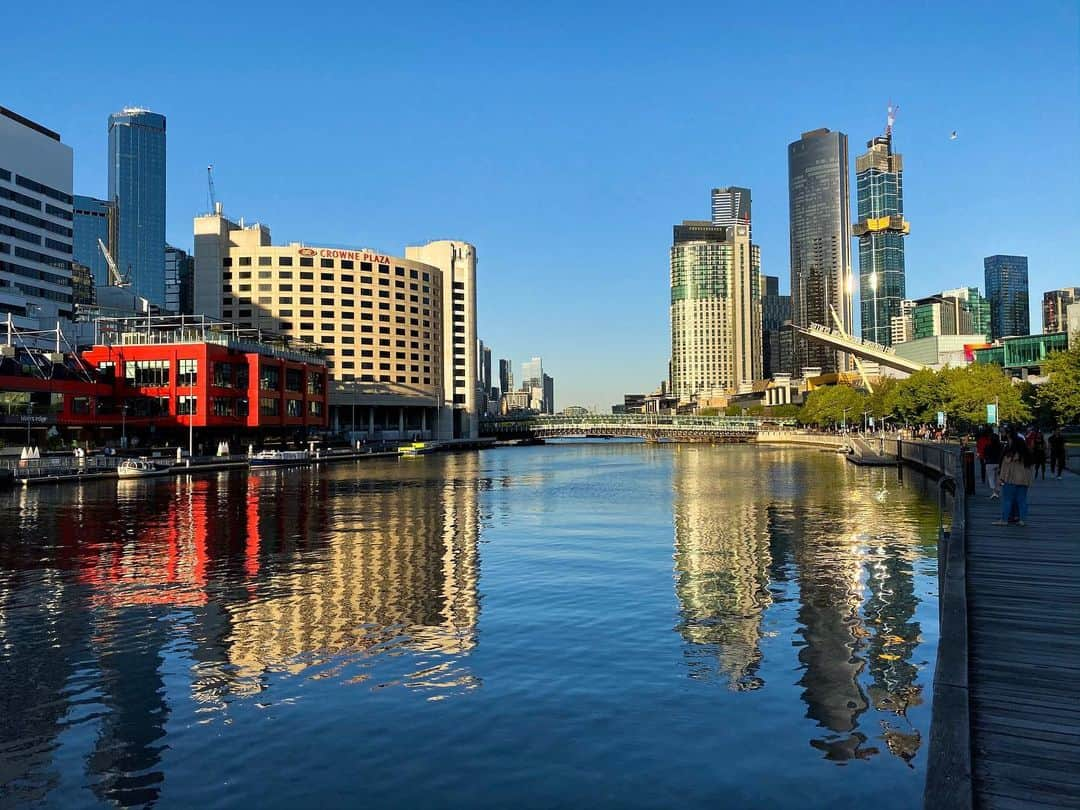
[[1037, 445], [1015, 477], [980, 451], [992, 453], [1057, 453]]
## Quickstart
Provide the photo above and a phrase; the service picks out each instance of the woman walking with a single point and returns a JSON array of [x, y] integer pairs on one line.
[[1015, 477]]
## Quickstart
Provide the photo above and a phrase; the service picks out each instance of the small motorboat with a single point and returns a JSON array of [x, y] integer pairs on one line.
[[417, 449], [139, 468], [280, 458]]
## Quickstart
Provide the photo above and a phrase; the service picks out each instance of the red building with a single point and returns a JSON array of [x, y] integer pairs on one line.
[[166, 374]]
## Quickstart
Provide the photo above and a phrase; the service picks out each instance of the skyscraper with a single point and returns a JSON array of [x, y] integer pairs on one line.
[[179, 281], [775, 309], [1007, 289], [137, 189], [35, 223], [879, 183], [731, 206], [820, 210], [715, 308], [549, 394], [94, 219], [1055, 308], [506, 376]]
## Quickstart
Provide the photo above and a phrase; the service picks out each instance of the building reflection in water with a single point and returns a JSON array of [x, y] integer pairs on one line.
[[275, 572], [752, 531]]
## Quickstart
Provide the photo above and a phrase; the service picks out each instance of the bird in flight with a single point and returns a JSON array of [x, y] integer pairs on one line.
[[954, 136]]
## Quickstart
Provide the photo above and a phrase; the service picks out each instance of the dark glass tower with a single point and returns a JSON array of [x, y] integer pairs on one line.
[[1007, 289], [94, 219], [879, 183], [137, 189], [820, 208]]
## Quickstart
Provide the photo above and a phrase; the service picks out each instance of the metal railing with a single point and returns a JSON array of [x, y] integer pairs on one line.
[[51, 466]]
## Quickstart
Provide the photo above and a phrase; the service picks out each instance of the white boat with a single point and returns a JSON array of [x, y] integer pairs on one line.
[[280, 458], [139, 468]]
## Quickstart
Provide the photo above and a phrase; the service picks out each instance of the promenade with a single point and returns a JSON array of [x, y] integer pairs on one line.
[[1023, 586]]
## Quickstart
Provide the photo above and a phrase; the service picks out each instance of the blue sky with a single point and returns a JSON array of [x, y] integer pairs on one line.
[[565, 139]]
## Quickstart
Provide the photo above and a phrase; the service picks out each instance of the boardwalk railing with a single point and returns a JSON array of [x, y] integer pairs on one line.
[[52, 466], [948, 774]]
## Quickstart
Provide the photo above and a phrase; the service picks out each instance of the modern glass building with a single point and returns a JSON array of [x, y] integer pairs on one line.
[[1023, 354], [1055, 308], [179, 281], [94, 219], [1007, 289], [775, 309], [820, 212], [137, 189], [881, 228]]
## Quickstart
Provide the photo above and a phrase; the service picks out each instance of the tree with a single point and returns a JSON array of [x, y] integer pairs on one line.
[[969, 389], [917, 399], [1060, 394], [828, 405]]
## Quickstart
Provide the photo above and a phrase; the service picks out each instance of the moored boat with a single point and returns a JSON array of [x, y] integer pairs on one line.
[[139, 468], [417, 448], [280, 458]]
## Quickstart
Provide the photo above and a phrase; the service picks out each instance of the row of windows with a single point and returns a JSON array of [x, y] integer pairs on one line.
[[326, 264], [41, 188], [22, 199], [39, 275], [43, 258], [386, 378], [19, 233], [37, 222]]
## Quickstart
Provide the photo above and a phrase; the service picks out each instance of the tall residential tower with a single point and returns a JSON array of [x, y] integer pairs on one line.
[[820, 210], [1007, 289], [879, 183], [137, 189]]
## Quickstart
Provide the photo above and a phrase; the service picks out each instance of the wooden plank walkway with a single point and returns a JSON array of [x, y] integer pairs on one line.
[[1023, 586]]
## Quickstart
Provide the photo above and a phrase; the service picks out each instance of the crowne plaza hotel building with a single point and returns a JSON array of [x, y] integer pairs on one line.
[[389, 326]]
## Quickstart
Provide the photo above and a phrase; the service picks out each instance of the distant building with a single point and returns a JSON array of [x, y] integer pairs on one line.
[[1007, 289], [820, 214], [937, 351], [514, 402], [901, 327], [179, 281], [1072, 318], [971, 301], [879, 182], [731, 206], [775, 309], [82, 287], [715, 308], [1055, 308], [1023, 355], [575, 410], [506, 376], [483, 380], [35, 223], [137, 187], [94, 219], [549, 394], [532, 373]]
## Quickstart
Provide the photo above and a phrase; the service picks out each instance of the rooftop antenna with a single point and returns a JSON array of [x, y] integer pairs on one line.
[[890, 120], [214, 207]]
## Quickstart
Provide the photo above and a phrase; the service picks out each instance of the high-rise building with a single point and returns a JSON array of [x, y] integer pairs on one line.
[[35, 223], [506, 376], [820, 210], [775, 309], [457, 260], [901, 326], [1055, 308], [379, 319], [977, 307], [137, 189], [715, 308], [532, 374], [731, 206], [879, 184], [1007, 289], [483, 380], [179, 280], [94, 219], [549, 394]]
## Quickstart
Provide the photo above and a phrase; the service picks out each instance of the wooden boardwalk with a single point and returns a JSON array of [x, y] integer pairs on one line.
[[1023, 596]]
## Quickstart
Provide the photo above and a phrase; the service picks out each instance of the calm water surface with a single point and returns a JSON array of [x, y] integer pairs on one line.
[[578, 625]]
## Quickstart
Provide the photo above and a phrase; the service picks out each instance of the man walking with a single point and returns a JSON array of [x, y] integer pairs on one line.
[[1057, 453]]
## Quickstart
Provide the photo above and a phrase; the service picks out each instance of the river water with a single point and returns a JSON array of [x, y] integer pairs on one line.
[[594, 624]]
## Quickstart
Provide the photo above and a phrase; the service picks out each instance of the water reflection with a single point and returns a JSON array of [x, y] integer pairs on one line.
[[751, 533], [244, 577]]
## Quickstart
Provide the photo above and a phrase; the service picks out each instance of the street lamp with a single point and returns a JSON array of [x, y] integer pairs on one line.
[[844, 425]]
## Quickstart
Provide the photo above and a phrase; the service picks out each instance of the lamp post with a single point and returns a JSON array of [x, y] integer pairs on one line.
[[844, 425]]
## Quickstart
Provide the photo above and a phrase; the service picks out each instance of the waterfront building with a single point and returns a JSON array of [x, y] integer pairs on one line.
[[94, 219], [775, 310], [506, 376], [940, 350], [731, 206], [1055, 308], [36, 215], [459, 414], [137, 188], [514, 401], [1007, 290], [881, 228], [1023, 355], [179, 280], [820, 211], [715, 308]]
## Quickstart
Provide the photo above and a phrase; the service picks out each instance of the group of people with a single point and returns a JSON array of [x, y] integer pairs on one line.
[[1011, 460]]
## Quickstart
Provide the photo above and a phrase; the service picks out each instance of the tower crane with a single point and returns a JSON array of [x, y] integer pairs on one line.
[[117, 279], [210, 188]]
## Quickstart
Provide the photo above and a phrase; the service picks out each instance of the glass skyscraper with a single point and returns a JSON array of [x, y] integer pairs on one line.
[[879, 184], [137, 189], [819, 198], [1007, 289], [94, 219]]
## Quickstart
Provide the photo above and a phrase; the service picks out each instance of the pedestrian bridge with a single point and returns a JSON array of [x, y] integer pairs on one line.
[[863, 349], [645, 426]]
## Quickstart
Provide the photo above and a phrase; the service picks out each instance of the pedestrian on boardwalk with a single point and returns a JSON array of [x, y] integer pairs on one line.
[[1057, 453], [993, 463], [1036, 443], [1015, 477], [980, 451]]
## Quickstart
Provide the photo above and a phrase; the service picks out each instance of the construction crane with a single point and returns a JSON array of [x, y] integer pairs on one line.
[[210, 188], [117, 279]]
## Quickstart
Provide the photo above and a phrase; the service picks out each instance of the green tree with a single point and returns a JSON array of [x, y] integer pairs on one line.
[[1060, 394], [828, 405], [969, 389], [917, 399]]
